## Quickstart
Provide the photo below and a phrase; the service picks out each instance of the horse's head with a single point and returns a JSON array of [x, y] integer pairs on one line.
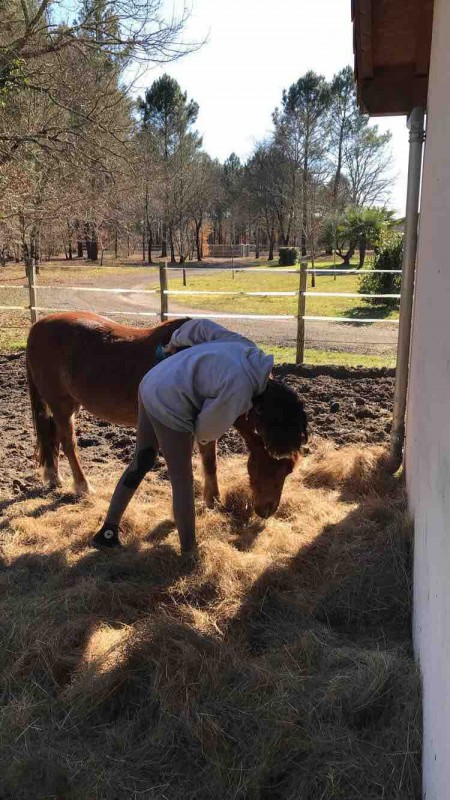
[[274, 430], [267, 476]]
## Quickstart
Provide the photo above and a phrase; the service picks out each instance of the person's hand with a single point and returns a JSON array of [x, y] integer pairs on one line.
[[170, 349]]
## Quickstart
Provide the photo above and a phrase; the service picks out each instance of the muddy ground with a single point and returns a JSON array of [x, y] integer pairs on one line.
[[343, 405]]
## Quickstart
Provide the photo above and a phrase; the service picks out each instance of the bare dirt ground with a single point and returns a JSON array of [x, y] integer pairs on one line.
[[343, 405], [378, 338]]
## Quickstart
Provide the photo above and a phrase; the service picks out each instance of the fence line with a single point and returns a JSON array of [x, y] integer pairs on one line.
[[164, 292], [294, 293], [224, 315], [351, 319], [93, 289], [288, 271], [237, 293], [235, 316], [115, 313]]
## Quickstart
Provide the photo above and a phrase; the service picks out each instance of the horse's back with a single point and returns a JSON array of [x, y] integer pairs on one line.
[[94, 361]]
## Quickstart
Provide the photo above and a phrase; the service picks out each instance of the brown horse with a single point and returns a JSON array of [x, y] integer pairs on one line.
[[81, 359]]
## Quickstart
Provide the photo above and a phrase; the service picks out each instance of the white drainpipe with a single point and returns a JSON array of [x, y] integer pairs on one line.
[[416, 140]]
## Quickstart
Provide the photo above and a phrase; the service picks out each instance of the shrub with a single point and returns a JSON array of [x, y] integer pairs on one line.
[[288, 256], [388, 255]]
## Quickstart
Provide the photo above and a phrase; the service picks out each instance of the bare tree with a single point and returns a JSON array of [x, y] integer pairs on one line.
[[205, 187], [368, 165], [263, 190], [42, 53]]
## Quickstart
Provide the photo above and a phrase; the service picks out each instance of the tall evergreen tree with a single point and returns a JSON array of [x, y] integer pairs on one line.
[[301, 126], [169, 116]]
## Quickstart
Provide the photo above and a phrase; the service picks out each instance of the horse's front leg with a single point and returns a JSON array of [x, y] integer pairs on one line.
[[209, 462]]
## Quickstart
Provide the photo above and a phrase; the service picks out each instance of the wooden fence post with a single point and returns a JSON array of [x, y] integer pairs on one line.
[[31, 275], [163, 289], [300, 357]]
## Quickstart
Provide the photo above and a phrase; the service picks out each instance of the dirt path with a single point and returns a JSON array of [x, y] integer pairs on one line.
[[377, 338]]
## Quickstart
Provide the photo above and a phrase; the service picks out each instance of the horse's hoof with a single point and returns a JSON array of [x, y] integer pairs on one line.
[[53, 479], [83, 489], [212, 501]]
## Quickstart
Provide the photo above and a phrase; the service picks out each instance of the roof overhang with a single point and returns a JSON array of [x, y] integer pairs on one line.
[[392, 46]]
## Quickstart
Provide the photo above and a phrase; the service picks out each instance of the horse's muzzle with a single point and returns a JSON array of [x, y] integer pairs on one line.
[[265, 510]]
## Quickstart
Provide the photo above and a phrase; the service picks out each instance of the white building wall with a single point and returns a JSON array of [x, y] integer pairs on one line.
[[428, 422]]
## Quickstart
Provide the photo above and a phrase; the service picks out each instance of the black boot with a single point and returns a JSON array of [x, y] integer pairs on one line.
[[107, 538]]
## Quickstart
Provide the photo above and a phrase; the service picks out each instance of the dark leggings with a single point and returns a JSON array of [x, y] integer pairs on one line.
[[176, 447]]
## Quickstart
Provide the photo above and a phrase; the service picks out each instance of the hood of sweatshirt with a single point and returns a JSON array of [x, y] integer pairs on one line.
[[258, 367]]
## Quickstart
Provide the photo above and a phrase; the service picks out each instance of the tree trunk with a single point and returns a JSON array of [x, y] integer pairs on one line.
[[164, 241], [144, 235], [91, 248], [304, 223], [80, 248], [70, 250], [337, 177], [116, 243], [198, 242], [150, 244], [128, 244], [347, 256], [37, 253], [271, 244], [257, 244], [34, 249], [304, 197], [362, 250], [172, 248]]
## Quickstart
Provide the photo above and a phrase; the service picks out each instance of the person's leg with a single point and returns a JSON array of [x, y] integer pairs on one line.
[[143, 460], [177, 451]]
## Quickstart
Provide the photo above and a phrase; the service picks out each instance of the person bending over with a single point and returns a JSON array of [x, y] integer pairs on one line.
[[199, 392]]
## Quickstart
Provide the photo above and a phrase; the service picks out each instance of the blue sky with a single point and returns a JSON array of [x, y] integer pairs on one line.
[[255, 49]]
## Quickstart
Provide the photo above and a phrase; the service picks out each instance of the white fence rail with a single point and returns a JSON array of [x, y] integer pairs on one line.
[[164, 293]]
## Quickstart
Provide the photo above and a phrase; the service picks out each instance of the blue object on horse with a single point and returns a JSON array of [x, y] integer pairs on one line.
[[160, 353]]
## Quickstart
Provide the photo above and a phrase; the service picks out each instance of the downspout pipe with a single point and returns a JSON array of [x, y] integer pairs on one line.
[[416, 140]]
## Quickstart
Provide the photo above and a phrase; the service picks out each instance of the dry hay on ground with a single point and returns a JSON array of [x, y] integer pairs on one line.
[[277, 666], [355, 470]]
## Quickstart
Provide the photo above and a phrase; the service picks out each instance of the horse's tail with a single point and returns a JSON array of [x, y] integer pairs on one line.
[[47, 440]]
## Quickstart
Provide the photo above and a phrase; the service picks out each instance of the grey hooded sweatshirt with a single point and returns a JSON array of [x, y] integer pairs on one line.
[[205, 388]]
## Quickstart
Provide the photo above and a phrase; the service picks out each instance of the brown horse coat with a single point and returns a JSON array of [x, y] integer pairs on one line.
[[82, 359]]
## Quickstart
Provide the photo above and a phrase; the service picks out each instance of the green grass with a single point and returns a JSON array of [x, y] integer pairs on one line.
[[320, 306], [329, 357], [11, 341]]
